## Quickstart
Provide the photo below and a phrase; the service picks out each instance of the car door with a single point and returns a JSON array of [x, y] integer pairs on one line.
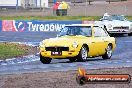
[[100, 45], [91, 43], [105, 38]]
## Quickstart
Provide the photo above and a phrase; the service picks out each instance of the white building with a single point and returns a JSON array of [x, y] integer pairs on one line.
[[23, 3]]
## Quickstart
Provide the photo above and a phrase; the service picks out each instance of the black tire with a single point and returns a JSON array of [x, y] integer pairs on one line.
[[72, 59], [130, 34], [125, 35], [108, 53], [45, 60], [82, 57]]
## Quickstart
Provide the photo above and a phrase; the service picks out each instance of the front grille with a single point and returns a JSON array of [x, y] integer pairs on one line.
[[123, 27], [57, 49]]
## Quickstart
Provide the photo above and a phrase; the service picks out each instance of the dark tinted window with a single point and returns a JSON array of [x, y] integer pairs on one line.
[[76, 30]]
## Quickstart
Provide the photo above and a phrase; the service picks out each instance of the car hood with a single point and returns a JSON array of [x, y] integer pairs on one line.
[[117, 23], [63, 41]]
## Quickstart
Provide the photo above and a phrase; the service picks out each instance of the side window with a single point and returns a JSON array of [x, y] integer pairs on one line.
[[87, 31], [104, 33], [99, 32]]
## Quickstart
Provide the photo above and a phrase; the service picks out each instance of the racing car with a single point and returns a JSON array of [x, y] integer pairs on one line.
[[116, 24], [77, 42]]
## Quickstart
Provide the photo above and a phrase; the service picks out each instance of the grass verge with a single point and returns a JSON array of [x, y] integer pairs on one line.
[[10, 50], [54, 18], [50, 18]]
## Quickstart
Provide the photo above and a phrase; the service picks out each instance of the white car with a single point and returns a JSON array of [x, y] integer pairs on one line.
[[116, 24]]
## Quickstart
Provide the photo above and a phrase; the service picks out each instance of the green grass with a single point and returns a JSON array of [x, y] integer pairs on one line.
[[129, 17], [10, 50], [54, 18], [50, 18]]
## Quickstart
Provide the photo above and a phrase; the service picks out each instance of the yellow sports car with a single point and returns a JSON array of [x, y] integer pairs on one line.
[[76, 42]]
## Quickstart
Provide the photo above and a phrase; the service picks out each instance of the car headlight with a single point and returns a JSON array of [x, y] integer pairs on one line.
[[109, 26], [75, 44]]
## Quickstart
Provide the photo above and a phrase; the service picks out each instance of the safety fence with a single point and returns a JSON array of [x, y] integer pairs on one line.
[[76, 9]]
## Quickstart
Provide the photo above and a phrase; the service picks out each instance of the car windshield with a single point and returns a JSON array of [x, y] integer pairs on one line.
[[76, 30], [106, 18], [116, 17]]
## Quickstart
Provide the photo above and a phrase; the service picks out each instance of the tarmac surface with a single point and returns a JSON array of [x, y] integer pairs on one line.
[[122, 57]]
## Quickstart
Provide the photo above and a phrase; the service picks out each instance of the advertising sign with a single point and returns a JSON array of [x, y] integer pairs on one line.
[[10, 3], [34, 26]]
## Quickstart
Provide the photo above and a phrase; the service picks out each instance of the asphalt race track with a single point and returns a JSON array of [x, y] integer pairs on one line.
[[122, 57]]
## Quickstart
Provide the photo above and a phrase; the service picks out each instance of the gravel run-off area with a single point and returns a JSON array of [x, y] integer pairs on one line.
[[59, 79]]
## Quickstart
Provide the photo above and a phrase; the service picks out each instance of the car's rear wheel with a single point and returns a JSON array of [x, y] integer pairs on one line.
[[108, 53], [125, 35], [83, 54], [130, 34], [45, 60]]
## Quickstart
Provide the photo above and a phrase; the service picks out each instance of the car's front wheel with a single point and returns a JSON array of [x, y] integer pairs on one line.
[[108, 52], [83, 54], [45, 60]]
